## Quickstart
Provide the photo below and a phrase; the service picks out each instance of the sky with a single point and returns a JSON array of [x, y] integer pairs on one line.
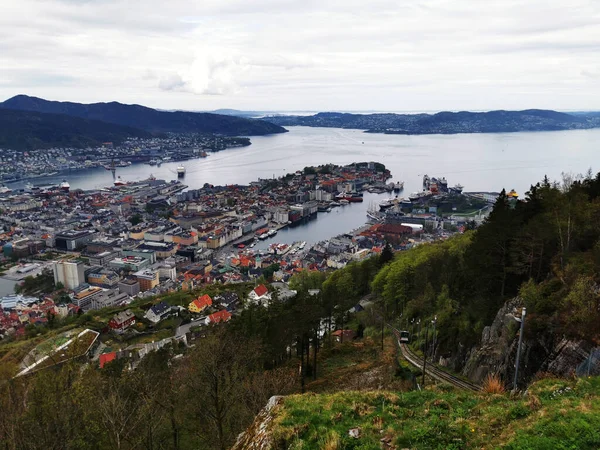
[[316, 55]]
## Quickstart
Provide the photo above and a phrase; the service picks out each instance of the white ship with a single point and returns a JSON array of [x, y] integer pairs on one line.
[[65, 186], [180, 171], [399, 186], [119, 182]]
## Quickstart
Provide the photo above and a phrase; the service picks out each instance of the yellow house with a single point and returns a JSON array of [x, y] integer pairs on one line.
[[200, 304]]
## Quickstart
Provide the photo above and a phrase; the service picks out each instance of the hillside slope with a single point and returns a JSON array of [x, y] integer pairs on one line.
[[553, 414], [26, 130], [446, 122], [148, 119]]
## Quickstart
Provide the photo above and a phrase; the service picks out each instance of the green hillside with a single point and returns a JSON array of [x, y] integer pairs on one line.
[[26, 130], [555, 414]]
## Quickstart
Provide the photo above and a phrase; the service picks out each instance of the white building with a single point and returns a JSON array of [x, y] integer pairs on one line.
[[70, 273]]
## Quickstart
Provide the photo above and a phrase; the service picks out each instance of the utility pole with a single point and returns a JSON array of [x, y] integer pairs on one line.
[[522, 320], [433, 340], [412, 328], [425, 353]]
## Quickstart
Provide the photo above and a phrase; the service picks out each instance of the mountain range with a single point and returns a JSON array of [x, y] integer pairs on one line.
[[29, 130], [91, 122], [447, 122]]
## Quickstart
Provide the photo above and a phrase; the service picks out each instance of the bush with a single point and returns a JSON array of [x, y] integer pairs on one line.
[[493, 385]]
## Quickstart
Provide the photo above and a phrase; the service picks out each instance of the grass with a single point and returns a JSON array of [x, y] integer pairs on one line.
[[357, 365], [555, 414]]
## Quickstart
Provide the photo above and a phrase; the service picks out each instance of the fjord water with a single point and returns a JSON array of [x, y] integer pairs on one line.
[[480, 162]]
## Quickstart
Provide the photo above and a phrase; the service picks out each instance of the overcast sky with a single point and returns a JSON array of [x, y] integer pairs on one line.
[[380, 55]]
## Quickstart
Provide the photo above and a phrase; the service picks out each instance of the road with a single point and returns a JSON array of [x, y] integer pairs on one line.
[[183, 329]]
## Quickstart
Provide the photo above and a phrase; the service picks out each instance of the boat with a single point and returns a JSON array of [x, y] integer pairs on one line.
[[417, 196], [398, 186], [5, 190], [375, 216], [271, 233], [65, 186], [434, 184], [153, 162], [302, 245], [387, 203], [180, 171], [344, 202], [405, 203], [119, 182], [457, 188]]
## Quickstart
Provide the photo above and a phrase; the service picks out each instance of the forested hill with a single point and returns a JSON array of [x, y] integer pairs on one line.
[[447, 122], [27, 130], [148, 119]]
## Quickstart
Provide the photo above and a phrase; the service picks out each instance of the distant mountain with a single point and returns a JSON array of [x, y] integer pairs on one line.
[[27, 130], [148, 119], [446, 122]]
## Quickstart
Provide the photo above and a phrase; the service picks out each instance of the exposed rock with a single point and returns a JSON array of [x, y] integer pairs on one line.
[[354, 433], [258, 436], [566, 356], [542, 352], [497, 342]]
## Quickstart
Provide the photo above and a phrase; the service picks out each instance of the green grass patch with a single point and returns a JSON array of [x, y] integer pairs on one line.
[[556, 414]]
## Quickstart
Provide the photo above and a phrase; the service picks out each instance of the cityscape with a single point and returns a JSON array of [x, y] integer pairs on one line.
[[299, 225]]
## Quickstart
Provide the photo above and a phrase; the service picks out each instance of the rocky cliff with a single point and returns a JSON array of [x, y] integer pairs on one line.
[[545, 352], [258, 436]]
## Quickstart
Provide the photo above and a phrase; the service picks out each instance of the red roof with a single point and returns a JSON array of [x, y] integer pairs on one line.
[[219, 316], [204, 301], [260, 290], [106, 358]]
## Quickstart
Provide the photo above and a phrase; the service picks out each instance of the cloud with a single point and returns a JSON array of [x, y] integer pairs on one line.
[[316, 54]]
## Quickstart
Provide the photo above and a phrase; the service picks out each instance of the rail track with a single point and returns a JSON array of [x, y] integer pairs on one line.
[[432, 370]]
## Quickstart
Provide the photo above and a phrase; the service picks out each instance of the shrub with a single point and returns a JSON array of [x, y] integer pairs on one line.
[[493, 385]]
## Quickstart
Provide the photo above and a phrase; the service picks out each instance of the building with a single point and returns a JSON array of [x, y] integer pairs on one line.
[[84, 295], [158, 312], [200, 304], [98, 276], [103, 258], [73, 239], [166, 269], [109, 298], [147, 278], [260, 295], [219, 316], [227, 300], [129, 286], [131, 263], [69, 273], [121, 321], [343, 335]]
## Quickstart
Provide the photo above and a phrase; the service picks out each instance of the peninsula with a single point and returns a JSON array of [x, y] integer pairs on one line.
[[446, 122]]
